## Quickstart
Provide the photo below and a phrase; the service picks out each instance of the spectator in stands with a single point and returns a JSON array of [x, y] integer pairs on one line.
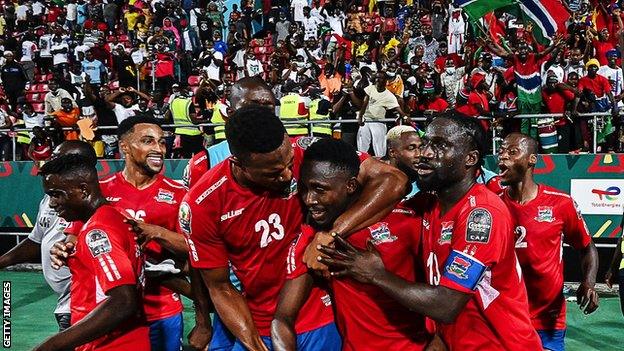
[[14, 78], [67, 116], [184, 115], [53, 98], [95, 69]]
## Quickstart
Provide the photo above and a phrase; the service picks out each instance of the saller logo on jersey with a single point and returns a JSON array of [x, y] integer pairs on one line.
[[98, 242], [479, 226], [184, 218]]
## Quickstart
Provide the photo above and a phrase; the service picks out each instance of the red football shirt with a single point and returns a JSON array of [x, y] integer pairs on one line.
[[366, 317], [542, 225], [157, 204], [106, 256], [599, 85], [196, 167], [253, 230], [470, 249]]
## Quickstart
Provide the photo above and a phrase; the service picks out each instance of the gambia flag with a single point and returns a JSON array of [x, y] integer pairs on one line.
[[475, 9], [547, 16]]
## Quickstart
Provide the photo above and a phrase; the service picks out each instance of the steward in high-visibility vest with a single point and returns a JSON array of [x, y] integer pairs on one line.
[[292, 110], [181, 116], [318, 112], [217, 117]]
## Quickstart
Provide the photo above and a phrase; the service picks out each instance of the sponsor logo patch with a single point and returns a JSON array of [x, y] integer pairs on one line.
[[165, 196], [305, 142], [544, 214], [184, 218], [479, 226], [232, 214], [380, 233], [446, 233], [98, 242]]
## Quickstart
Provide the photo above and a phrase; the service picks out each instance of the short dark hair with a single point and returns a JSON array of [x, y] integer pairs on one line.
[[532, 144], [339, 154], [127, 125], [76, 165], [254, 129], [81, 148]]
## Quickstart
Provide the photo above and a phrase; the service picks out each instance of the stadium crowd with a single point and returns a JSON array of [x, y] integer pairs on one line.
[[88, 65]]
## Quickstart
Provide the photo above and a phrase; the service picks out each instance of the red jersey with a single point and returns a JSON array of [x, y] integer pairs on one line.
[[470, 249], [253, 230], [601, 50], [599, 85], [157, 204], [367, 318], [542, 224], [196, 167], [107, 256]]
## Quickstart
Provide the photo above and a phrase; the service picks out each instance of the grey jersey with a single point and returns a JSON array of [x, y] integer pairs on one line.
[[48, 230]]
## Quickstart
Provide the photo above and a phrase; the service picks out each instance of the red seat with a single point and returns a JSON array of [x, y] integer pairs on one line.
[[33, 88], [194, 80], [38, 107], [110, 38], [123, 37], [42, 88], [40, 78]]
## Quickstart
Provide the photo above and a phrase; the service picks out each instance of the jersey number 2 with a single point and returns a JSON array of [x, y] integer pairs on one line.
[[520, 236], [271, 229]]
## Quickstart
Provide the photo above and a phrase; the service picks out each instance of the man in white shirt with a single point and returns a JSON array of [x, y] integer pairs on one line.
[[21, 15], [47, 231], [613, 73], [253, 66], [72, 14], [377, 102], [59, 51], [296, 7], [310, 24], [28, 53]]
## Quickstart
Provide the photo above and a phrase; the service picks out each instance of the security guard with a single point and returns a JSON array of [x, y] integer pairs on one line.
[[183, 113], [293, 109], [320, 108]]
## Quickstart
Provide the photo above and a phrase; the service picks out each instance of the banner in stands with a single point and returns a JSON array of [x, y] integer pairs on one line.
[[579, 174]]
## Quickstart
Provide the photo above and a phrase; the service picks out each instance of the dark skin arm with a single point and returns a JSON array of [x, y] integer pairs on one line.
[[611, 276], [436, 302], [232, 308], [26, 251], [168, 239], [201, 334], [383, 186], [119, 306], [292, 297], [586, 296]]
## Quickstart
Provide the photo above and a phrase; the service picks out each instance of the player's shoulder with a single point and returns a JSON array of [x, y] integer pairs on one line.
[[199, 158], [420, 203], [554, 192], [170, 184], [482, 201], [211, 183], [108, 180], [108, 219]]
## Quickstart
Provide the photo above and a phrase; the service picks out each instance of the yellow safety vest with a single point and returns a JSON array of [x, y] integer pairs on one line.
[[23, 137], [289, 112], [319, 128], [218, 118], [179, 110]]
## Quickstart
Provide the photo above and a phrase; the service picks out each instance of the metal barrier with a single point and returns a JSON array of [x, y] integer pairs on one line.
[[594, 116]]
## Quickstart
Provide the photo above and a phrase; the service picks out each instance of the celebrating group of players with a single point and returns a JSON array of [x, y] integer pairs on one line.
[[305, 244]]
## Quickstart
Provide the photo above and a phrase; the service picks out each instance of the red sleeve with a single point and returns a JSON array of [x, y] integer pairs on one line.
[[108, 251], [73, 228], [479, 236], [575, 232], [473, 99], [198, 221], [582, 85], [568, 95], [295, 267]]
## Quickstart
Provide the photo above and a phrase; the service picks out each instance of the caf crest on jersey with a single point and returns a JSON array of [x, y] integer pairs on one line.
[[98, 242], [184, 218], [380, 233], [544, 214]]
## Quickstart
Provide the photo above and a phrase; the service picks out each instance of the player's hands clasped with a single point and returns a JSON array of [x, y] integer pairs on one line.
[[346, 260], [311, 252]]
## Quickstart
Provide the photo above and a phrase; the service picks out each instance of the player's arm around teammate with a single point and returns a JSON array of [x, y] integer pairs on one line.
[[383, 186]]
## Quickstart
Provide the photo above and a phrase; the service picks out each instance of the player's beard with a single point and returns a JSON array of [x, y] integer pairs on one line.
[[147, 170]]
